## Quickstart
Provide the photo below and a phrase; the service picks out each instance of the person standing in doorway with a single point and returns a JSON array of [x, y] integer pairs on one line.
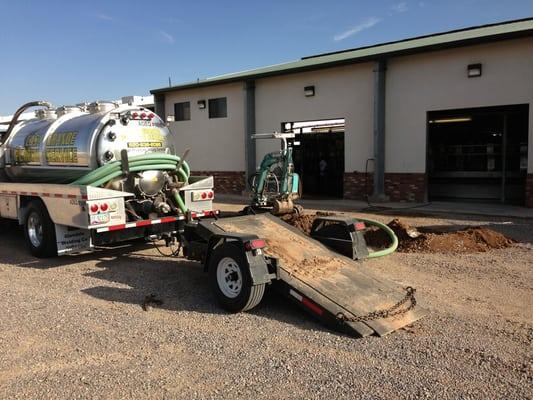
[[323, 173]]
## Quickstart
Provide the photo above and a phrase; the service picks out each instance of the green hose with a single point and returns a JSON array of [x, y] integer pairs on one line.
[[179, 202], [140, 163], [388, 231]]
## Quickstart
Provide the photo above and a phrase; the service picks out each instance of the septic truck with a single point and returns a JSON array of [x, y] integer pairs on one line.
[[76, 178]]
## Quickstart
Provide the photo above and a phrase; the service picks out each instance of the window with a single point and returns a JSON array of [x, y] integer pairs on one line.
[[182, 111], [218, 108]]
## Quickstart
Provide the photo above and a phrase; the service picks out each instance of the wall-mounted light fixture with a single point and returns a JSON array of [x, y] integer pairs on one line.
[[474, 70], [201, 104], [450, 120], [309, 91]]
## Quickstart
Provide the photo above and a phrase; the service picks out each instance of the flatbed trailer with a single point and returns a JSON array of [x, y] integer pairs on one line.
[[243, 255], [341, 292]]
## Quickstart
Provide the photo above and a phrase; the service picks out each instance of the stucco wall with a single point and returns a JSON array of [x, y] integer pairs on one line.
[[438, 81], [216, 144], [343, 92], [415, 85]]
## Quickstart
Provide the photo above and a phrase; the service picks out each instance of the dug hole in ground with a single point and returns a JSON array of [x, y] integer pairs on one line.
[[422, 239]]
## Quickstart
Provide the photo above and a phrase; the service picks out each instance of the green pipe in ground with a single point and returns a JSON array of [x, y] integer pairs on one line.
[[394, 239]]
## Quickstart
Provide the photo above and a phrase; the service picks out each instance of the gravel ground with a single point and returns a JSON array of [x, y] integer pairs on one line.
[[73, 327]]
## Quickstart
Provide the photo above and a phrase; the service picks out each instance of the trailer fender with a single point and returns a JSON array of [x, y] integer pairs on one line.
[[255, 258]]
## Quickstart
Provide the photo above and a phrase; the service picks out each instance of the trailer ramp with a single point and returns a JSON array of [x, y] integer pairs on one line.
[[344, 293]]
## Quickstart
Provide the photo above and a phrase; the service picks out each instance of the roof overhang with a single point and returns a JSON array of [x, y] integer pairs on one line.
[[441, 41]]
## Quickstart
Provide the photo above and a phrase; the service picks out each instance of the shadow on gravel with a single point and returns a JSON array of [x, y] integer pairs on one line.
[[182, 286], [13, 250]]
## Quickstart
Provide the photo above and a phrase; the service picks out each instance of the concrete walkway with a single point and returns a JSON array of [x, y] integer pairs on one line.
[[437, 207]]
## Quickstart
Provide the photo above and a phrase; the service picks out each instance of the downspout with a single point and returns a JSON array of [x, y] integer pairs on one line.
[[379, 132]]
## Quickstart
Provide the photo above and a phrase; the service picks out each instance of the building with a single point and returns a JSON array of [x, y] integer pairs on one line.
[[444, 116]]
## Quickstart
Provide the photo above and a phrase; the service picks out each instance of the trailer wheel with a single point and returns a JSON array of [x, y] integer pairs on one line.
[[39, 231], [230, 279]]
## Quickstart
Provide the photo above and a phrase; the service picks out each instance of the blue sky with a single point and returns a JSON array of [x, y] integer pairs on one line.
[[72, 51]]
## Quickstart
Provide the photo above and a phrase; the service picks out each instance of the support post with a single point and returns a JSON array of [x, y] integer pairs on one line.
[[159, 102], [249, 130], [379, 132]]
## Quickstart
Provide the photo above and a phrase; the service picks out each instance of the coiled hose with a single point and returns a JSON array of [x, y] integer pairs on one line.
[[394, 239], [140, 163]]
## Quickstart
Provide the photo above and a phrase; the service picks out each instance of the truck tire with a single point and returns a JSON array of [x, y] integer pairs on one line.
[[39, 231], [230, 279]]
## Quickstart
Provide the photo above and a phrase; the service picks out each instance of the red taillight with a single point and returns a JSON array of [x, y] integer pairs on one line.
[[359, 226], [94, 208], [151, 116], [210, 195], [255, 244], [134, 115], [204, 195], [103, 207], [143, 115]]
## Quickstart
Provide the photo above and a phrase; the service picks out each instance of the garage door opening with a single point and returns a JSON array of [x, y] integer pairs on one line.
[[478, 154], [319, 156]]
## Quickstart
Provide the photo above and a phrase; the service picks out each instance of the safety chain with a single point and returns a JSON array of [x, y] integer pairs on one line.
[[385, 313]]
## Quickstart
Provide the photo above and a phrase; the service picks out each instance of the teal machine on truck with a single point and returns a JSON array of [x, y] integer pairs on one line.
[[80, 177]]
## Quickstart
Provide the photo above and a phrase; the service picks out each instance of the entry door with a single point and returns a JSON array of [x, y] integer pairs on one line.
[[319, 156], [319, 160]]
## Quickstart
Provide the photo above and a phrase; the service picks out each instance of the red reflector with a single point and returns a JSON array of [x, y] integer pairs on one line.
[[94, 208], [134, 115], [255, 244], [143, 115], [103, 207], [210, 195], [312, 306], [204, 195], [151, 116], [359, 226]]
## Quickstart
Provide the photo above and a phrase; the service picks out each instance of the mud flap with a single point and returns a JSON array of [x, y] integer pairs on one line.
[[326, 283]]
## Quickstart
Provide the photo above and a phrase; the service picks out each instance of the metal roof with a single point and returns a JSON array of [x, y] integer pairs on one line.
[[456, 38]]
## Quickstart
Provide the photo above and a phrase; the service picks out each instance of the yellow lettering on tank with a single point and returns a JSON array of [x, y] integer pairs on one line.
[[29, 153], [144, 144], [62, 139], [152, 134], [61, 149]]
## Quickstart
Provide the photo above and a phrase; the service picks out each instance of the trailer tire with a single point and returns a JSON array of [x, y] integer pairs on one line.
[[230, 279], [39, 231]]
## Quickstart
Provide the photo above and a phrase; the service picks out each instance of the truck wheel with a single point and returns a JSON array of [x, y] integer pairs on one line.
[[39, 231], [230, 279]]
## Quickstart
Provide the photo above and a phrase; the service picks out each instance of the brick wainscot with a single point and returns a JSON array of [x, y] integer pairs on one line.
[[398, 186], [227, 182]]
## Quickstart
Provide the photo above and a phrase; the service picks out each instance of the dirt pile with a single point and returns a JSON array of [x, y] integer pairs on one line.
[[469, 240], [303, 222], [412, 240]]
